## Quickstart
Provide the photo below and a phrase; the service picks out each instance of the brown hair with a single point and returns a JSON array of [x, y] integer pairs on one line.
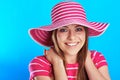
[[81, 56]]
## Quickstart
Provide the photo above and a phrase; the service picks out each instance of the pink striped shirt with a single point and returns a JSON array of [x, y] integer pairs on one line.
[[40, 66]]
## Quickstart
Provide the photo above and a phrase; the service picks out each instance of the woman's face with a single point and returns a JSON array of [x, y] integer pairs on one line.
[[71, 39]]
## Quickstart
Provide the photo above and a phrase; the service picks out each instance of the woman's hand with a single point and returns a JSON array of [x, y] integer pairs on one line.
[[52, 56], [58, 65]]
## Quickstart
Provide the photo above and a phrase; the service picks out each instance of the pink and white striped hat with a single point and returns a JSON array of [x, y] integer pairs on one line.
[[65, 13]]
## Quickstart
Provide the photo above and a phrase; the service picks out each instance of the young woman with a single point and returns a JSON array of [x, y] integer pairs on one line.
[[68, 57]]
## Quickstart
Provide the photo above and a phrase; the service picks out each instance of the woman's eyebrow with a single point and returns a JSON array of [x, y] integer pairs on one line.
[[64, 27], [78, 26]]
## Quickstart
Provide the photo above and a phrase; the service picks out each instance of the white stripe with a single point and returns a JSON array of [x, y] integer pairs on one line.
[[100, 26], [72, 68], [65, 3], [43, 61], [37, 33], [100, 55], [80, 17], [94, 54], [100, 62], [36, 64], [71, 76], [32, 72], [43, 33], [63, 10], [62, 15], [94, 23], [75, 6]]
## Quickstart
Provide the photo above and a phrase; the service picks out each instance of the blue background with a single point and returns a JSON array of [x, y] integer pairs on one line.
[[17, 48]]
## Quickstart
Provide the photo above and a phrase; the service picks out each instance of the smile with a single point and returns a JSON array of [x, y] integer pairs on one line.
[[71, 44]]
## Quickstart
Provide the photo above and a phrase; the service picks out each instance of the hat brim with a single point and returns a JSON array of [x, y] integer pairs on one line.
[[42, 35]]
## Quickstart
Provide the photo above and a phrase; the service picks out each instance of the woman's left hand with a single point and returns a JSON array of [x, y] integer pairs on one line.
[[52, 56], [58, 65]]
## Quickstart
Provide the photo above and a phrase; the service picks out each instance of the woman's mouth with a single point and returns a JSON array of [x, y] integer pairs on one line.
[[72, 44]]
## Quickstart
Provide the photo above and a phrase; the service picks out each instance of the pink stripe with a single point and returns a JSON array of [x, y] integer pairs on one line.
[[43, 61], [101, 55], [103, 26], [76, 14], [31, 64], [43, 37], [69, 10], [95, 24], [38, 34], [66, 8], [65, 4], [102, 64], [70, 17], [43, 33], [94, 54], [40, 37], [102, 61], [36, 71], [99, 26]]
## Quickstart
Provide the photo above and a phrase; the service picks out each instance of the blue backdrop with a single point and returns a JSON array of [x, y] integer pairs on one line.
[[17, 48]]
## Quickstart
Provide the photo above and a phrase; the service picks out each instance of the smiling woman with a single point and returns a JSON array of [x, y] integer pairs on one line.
[[71, 39], [67, 37]]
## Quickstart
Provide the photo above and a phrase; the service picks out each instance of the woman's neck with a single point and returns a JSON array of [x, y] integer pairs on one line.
[[70, 59]]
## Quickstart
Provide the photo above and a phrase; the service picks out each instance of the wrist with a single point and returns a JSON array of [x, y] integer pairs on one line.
[[57, 62]]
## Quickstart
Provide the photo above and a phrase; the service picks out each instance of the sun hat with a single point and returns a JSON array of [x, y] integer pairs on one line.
[[65, 13]]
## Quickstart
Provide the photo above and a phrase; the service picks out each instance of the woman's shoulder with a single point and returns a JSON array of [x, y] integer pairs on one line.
[[95, 53], [41, 60], [98, 58], [39, 66]]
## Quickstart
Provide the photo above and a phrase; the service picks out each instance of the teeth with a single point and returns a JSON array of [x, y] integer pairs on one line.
[[72, 44]]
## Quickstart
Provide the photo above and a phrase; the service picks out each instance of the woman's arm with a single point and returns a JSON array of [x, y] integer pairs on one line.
[[58, 67], [93, 72], [59, 70]]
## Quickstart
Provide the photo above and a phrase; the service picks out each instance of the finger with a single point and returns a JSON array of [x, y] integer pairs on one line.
[[45, 52], [52, 49]]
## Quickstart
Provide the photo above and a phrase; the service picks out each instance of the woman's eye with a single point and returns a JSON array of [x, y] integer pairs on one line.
[[63, 30], [79, 29]]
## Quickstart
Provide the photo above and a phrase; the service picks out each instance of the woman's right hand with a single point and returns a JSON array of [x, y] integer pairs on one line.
[[52, 56]]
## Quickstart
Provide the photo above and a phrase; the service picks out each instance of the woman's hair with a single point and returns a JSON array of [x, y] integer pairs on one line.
[[81, 56]]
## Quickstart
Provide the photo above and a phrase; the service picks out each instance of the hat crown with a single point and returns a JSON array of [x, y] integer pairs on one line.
[[67, 10]]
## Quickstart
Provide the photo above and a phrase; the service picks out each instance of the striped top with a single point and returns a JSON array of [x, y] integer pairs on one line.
[[40, 66]]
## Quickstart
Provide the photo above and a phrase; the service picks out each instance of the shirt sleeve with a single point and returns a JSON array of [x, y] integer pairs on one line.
[[39, 66], [98, 59]]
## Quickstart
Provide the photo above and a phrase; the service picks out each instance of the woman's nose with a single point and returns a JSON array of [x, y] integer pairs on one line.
[[71, 35]]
